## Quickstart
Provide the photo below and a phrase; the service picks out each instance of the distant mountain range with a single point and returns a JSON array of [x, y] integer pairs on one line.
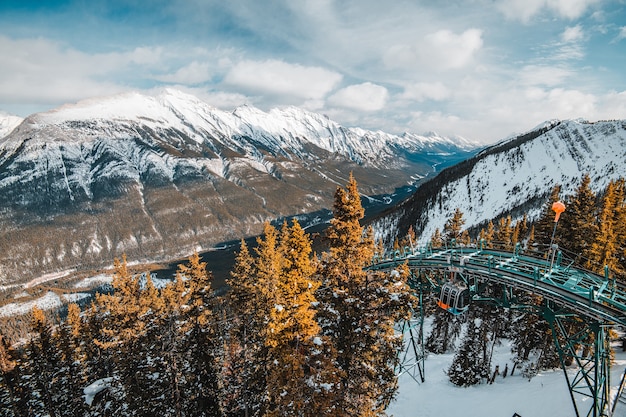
[[156, 177], [513, 177]]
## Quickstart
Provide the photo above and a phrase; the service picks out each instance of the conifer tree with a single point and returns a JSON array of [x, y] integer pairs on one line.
[[436, 240], [444, 331], [292, 333], [10, 393], [244, 370], [531, 334], [39, 368], [515, 234], [126, 321], [578, 224], [71, 372], [620, 231], [175, 301], [254, 282], [492, 323], [357, 313], [523, 230], [454, 227], [410, 239], [545, 224], [604, 249], [486, 236], [467, 367], [503, 233], [530, 241], [201, 344]]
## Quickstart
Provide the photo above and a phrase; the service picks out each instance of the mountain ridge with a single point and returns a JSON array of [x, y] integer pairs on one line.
[[513, 177], [159, 176]]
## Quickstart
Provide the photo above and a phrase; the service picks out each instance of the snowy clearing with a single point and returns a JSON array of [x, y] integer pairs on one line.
[[546, 395]]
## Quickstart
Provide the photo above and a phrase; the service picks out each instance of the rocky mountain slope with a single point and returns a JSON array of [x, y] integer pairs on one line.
[[513, 177], [156, 177]]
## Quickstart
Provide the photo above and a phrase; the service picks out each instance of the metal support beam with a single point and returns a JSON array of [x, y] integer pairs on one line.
[[587, 344], [412, 358]]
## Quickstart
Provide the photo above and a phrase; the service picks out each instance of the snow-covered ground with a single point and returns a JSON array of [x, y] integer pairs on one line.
[[546, 395]]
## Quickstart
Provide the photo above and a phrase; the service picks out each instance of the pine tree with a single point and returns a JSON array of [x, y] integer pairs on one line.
[[454, 227], [71, 372], [503, 233], [492, 325], [604, 249], [531, 334], [39, 368], [410, 240], [620, 231], [10, 393], [172, 337], [523, 230], [530, 241], [201, 344], [436, 240], [485, 237], [244, 372], [292, 333], [544, 226], [515, 235], [357, 313], [126, 318], [444, 331], [246, 355], [578, 224], [467, 368]]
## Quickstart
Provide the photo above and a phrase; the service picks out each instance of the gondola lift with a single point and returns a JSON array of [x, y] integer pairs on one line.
[[454, 296]]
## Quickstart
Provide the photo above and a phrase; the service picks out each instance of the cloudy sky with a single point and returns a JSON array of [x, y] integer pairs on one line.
[[481, 69]]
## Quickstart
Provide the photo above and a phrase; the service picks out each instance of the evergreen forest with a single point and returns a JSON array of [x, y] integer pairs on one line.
[[297, 333]]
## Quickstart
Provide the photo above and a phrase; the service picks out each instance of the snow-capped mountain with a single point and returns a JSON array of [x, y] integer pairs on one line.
[[514, 176], [8, 122], [156, 176]]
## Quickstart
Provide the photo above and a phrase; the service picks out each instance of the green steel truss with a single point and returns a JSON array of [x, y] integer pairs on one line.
[[571, 295]]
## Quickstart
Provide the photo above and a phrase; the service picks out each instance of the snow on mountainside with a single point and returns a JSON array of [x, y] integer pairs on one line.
[[281, 130], [515, 176], [156, 177], [8, 123]]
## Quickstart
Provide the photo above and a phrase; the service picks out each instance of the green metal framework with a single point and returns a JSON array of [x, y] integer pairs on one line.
[[571, 295]]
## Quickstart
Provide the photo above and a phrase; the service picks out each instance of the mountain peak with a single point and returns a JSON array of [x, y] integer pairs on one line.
[[288, 130], [8, 122]]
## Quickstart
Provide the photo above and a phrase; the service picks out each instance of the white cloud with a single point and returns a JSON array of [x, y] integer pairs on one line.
[[572, 34], [533, 75], [570, 103], [442, 50], [426, 91], [622, 33], [40, 71], [280, 78], [525, 10], [194, 73], [365, 97], [570, 9], [612, 105], [521, 10]]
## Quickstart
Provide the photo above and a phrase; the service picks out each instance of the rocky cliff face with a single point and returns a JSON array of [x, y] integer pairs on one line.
[[157, 177]]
